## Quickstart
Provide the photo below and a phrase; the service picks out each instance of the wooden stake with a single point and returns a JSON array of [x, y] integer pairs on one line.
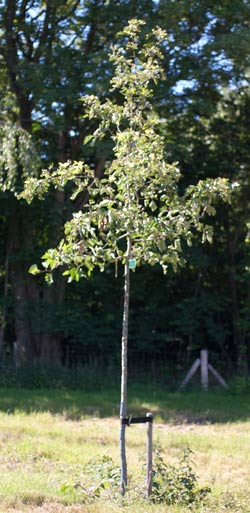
[[204, 369], [190, 373], [149, 454], [217, 375]]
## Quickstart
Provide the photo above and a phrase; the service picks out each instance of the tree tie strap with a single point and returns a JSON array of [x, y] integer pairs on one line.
[[136, 420]]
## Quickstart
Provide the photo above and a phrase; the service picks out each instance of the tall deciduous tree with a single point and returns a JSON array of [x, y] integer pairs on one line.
[[207, 65], [135, 213], [51, 53]]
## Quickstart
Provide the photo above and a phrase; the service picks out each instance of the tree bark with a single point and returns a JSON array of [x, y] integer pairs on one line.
[[124, 369], [5, 295], [235, 310], [34, 302], [34, 340], [50, 344], [24, 287]]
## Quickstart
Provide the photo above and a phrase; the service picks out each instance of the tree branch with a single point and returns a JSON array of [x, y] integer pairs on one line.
[[69, 13], [45, 30], [90, 38]]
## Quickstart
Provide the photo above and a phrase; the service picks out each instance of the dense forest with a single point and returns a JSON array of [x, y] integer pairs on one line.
[[54, 52]]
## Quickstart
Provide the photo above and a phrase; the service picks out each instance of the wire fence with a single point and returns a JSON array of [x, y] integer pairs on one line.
[[93, 367]]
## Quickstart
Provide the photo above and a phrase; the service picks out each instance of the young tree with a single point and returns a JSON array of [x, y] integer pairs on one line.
[[135, 214]]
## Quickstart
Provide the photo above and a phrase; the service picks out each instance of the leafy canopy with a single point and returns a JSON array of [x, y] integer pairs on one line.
[[18, 157], [138, 199]]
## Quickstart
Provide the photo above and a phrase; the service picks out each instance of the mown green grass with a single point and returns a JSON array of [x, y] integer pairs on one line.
[[218, 405], [52, 440]]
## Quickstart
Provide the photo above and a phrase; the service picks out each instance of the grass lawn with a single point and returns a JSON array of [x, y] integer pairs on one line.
[[52, 443]]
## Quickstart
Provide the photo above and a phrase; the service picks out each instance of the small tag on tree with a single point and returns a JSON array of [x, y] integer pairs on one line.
[[132, 263]]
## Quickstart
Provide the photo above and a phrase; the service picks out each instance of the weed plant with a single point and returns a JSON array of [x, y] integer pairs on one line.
[[176, 484], [172, 484]]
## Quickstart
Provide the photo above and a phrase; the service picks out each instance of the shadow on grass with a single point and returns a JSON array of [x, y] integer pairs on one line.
[[218, 406]]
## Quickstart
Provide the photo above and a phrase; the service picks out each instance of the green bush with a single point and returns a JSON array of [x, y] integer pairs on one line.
[[176, 484]]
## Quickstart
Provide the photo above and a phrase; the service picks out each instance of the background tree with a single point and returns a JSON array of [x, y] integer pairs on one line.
[[50, 55], [208, 74]]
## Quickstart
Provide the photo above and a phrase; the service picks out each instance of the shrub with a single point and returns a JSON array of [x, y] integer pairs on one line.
[[176, 484]]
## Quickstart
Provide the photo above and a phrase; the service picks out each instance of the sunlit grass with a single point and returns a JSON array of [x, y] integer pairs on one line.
[[48, 439], [217, 405]]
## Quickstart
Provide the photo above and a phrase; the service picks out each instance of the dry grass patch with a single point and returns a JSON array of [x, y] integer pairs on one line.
[[45, 460]]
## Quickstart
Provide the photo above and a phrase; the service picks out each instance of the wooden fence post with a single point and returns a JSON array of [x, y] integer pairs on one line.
[[149, 453], [204, 369], [190, 373], [217, 376]]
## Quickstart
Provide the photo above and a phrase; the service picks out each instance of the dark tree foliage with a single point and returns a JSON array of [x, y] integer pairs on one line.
[[52, 53]]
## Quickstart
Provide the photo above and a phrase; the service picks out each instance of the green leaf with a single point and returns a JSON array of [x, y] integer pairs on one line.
[[34, 269], [88, 138], [162, 245], [153, 205], [49, 278]]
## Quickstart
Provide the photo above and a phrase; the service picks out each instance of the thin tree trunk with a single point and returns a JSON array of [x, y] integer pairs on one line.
[[5, 294], [50, 345], [237, 334], [25, 349], [124, 370]]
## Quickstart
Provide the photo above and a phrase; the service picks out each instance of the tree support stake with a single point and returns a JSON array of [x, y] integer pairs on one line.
[[202, 362], [148, 419]]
